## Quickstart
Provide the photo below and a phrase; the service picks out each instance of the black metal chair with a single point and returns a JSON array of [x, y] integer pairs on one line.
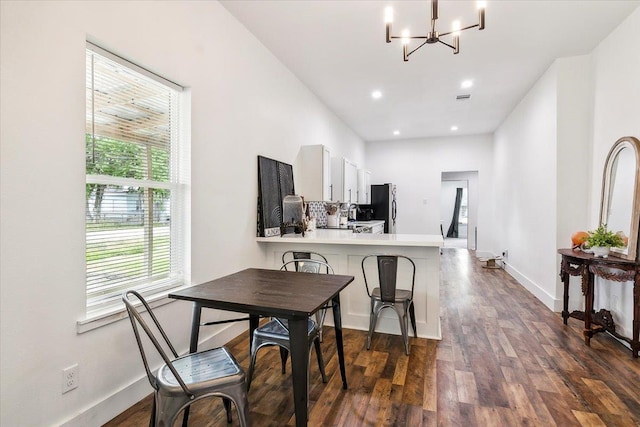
[[388, 294], [183, 380], [299, 257], [276, 331]]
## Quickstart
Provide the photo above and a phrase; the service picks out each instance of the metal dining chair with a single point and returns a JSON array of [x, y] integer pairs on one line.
[[183, 380], [276, 331], [300, 257], [389, 295]]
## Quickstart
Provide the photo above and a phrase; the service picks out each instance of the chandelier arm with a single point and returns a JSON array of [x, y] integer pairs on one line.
[[410, 37], [461, 29], [447, 44], [416, 49]]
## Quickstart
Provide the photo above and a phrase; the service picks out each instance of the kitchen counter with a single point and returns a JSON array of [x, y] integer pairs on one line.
[[345, 250], [337, 236]]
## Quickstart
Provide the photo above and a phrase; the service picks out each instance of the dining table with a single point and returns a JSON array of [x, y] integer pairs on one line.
[[290, 295]]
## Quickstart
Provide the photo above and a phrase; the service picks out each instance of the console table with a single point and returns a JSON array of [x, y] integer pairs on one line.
[[578, 263]]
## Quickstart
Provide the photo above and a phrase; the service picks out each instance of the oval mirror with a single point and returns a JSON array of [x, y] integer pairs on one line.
[[620, 206]]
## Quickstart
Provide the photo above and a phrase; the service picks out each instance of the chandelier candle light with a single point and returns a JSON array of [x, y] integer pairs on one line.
[[433, 36]]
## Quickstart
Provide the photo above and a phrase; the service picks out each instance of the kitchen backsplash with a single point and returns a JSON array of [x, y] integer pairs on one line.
[[319, 211]]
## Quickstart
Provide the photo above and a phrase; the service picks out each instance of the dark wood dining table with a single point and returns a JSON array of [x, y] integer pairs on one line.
[[289, 295]]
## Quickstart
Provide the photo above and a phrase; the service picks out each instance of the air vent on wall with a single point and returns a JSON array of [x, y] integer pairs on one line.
[[459, 97]]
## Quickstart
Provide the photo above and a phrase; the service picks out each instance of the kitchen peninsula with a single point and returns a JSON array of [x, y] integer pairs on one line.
[[344, 250]]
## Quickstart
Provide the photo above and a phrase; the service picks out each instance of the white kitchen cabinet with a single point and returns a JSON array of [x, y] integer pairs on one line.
[[314, 173], [344, 179], [364, 187]]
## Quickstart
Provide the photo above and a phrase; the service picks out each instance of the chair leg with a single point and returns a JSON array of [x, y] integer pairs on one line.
[[320, 316], [243, 413], [239, 397], [316, 342], [402, 317], [284, 354], [373, 319], [227, 408], [252, 364], [152, 419], [167, 409], [412, 315]]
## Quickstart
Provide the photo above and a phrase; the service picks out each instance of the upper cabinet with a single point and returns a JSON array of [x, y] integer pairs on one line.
[[344, 178], [314, 173], [364, 187]]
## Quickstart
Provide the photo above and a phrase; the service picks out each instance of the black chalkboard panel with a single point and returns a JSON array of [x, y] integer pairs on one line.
[[285, 177], [275, 180]]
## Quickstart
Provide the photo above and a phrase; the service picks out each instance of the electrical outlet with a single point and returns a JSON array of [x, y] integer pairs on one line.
[[70, 378], [505, 253]]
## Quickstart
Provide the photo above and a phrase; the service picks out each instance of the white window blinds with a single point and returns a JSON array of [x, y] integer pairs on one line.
[[133, 192]]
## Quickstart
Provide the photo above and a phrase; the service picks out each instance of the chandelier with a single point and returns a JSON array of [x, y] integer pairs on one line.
[[433, 36]]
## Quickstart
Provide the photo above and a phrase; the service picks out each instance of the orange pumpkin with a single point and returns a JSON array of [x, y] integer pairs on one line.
[[579, 237]]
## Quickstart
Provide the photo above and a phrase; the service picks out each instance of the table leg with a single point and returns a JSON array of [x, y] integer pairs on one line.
[[565, 300], [299, 343], [195, 327], [588, 309], [193, 346], [337, 321], [635, 342], [254, 322]]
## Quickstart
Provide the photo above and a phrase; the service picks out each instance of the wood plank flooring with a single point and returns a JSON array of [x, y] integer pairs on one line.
[[505, 360]]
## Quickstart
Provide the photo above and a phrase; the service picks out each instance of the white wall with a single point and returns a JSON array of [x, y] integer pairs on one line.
[[243, 103], [542, 170], [549, 156], [525, 188], [616, 91], [416, 167]]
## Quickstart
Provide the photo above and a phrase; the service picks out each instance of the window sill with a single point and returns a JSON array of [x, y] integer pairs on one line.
[[114, 314]]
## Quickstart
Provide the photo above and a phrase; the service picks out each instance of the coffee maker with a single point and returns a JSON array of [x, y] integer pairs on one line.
[[364, 213]]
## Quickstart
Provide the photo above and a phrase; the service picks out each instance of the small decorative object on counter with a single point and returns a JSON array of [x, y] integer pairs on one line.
[[578, 238], [293, 220], [601, 240], [332, 214]]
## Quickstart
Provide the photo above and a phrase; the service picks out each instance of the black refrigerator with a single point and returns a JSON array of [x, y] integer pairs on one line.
[[383, 202]]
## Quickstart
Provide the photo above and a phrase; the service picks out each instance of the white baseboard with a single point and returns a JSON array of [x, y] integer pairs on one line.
[[549, 300], [101, 412]]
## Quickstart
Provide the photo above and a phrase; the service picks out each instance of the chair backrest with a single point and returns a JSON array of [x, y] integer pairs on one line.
[[137, 319], [297, 260], [308, 266], [388, 275]]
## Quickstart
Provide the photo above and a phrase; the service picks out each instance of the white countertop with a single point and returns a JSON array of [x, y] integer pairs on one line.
[[347, 237]]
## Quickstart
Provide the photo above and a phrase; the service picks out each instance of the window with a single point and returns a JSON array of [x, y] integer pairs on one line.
[[134, 200]]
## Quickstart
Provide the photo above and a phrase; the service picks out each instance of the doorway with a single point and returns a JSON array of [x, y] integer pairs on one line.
[[458, 209]]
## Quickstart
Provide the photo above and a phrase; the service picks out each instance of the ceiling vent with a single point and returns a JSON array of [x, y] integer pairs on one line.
[[459, 97]]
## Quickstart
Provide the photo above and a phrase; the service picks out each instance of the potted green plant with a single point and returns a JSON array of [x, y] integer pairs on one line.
[[601, 240]]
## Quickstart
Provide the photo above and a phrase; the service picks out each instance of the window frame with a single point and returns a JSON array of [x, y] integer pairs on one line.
[[112, 308]]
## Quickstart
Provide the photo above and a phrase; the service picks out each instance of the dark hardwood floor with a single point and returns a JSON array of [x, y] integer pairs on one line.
[[504, 360]]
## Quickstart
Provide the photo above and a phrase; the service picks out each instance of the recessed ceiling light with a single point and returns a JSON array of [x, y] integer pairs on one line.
[[376, 94], [454, 128], [396, 132], [466, 84]]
